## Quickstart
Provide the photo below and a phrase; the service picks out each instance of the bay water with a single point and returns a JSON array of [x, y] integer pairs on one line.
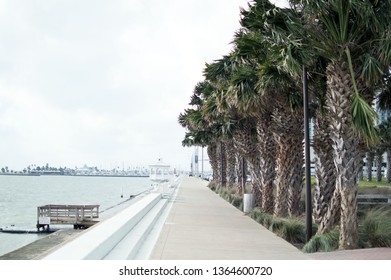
[[21, 195]]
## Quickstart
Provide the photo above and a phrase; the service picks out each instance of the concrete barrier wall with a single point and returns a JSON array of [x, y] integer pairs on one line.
[[98, 240]]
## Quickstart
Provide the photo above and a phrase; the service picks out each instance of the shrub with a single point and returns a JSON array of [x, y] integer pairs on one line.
[[263, 218], [267, 220], [232, 189], [213, 186], [255, 214], [223, 192], [325, 242], [276, 224], [237, 201], [292, 230], [375, 228]]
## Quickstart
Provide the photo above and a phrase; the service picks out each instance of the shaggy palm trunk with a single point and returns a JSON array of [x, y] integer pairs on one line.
[[267, 150], [361, 172], [239, 174], [369, 165], [389, 165], [288, 129], [333, 213], [324, 168], [346, 145], [218, 161], [231, 163], [246, 144], [222, 166], [379, 162], [254, 170], [212, 155]]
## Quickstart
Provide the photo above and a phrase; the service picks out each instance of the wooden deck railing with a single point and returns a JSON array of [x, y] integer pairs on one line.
[[78, 215]]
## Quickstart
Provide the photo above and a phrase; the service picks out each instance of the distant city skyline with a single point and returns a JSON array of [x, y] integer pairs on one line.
[[120, 165], [99, 167]]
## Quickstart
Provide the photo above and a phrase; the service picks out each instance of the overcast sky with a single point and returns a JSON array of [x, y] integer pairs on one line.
[[102, 82]]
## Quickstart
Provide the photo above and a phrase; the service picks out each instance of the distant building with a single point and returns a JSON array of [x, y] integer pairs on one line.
[[382, 117], [159, 171], [194, 166]]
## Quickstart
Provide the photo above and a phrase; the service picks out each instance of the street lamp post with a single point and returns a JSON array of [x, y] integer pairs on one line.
[[308, 196], [244, 175]]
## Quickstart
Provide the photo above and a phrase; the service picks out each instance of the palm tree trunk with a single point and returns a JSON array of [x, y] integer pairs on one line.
[[267, 150], [241, 174], [240, 168], [254, 171], [389, 165], [212, 155], [361, 172], [346, 145], [288, 129], [324, 168], [379, 162], [333, 213], [369, 165], [246, 144], [223, 164], [218, 161], [231, 162]]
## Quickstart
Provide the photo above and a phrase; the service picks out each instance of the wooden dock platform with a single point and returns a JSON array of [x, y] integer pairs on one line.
[[80, 216]]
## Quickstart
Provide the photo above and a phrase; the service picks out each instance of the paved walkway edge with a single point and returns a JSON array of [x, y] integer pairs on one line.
[[203, 226]]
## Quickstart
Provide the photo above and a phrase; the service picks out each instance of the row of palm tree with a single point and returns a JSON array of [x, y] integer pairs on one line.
[[249, 105]]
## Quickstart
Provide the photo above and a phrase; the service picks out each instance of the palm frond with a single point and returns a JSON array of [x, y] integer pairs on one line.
[[364, 119], [371, 69]]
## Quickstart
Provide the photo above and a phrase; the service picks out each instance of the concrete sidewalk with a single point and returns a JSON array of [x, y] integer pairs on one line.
[[203, 226], [358, 254]]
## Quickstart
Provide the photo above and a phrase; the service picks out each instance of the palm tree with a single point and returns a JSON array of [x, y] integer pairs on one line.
[[379, 151], [384, 104], [385, 135], [288, 54], [370, 158], [221, 74], [217, 112], [199, 131], [245, 94], [242, 95], [354, 37], [265, 27]]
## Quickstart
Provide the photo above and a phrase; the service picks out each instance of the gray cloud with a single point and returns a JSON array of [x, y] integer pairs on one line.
[[100, 82]]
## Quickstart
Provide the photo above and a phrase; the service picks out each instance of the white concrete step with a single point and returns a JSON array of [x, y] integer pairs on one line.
[[128, 247], [96, 242]]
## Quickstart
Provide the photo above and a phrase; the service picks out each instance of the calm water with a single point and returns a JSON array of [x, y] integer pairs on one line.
[[20, 196]]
